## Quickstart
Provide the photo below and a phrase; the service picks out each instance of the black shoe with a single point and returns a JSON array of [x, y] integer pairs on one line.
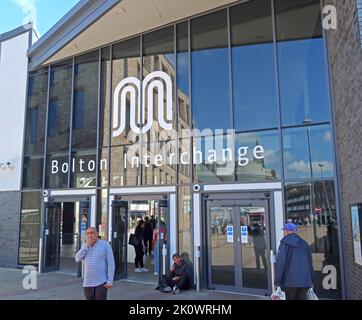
[[167, 289]]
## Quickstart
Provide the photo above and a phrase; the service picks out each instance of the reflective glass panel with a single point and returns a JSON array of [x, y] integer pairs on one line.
[[253, 66], [210, 72]]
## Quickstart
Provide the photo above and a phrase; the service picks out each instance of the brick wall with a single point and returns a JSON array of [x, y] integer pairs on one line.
[[9, 228], [346, 69]]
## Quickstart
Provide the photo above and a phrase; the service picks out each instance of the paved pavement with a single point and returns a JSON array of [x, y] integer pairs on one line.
[[60, 286]]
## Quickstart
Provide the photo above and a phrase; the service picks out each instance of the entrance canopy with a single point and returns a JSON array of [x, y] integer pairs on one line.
[[95, 23]]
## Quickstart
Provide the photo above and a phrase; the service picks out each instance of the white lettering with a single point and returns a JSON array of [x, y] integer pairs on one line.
[[242, 152], [258, 152], [212, 156], [91, 165], [197, 153], [104, 164], [137, 161], [81, 162], [55, 168], [330, 19], [229, 152], [158, 160], [30, 281], [65, 167], [330, 280]]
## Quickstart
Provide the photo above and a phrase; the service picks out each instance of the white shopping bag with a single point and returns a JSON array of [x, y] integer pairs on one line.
[[311, 295], [278, 294]]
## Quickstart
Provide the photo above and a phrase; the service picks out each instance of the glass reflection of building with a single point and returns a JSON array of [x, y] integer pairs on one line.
[[230, 69]]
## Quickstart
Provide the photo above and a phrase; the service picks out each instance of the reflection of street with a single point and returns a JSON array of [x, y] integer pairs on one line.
[[223, 252]]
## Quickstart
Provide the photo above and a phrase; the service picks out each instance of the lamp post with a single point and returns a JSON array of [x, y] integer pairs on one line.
[[307, 122], [325, 189]]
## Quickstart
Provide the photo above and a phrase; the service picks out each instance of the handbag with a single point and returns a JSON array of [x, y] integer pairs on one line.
[[133, 240], [278, 294], [311, 295]]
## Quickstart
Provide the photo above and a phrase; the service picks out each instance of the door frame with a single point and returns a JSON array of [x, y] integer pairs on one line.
[[172, 236], [236, 200], [114, 206], [59, 196], [149, 193], [47, 206]]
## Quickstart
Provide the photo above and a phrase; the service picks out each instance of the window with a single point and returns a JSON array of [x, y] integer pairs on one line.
[[253, 67], [78, 113], [85, 109], [52, 124], [34, 118], [210, 72], [301, 54]]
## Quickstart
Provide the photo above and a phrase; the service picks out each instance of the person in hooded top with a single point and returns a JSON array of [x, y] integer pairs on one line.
[[294, 268]]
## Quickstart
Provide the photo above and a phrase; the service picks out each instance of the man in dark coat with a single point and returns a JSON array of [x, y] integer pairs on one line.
[[294, 268], [179, 278], [148, 236]]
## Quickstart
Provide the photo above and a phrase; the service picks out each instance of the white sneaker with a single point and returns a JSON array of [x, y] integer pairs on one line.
[[155, 273], [138, 270], [144, 270]]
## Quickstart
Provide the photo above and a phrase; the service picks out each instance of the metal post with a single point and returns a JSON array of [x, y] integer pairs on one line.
[[197, 267], [164, 254], [272, 267]]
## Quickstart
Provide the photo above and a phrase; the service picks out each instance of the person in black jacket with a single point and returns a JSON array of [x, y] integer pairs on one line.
[[294, 268], [139, 248], [148, 236], [179, 278]]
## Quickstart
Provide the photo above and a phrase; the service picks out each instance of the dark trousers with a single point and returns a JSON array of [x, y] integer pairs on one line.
[[138, 261], [260, 254], [96, 293], [183, 284], [296, 293], [148, 246]]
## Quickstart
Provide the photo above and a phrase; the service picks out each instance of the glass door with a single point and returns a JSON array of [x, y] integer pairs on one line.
[[253, 229], [52, 236], [222, 239], [238, 235], [119, 237], [161, 253]]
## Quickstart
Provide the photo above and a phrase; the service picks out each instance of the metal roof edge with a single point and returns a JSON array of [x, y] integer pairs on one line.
[[16, 32], [79, 18]]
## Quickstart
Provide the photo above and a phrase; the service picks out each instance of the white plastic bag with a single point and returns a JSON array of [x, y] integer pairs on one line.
[[311, 295], [278, 294]]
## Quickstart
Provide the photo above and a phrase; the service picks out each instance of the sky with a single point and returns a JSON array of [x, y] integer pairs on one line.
[[43, 13]]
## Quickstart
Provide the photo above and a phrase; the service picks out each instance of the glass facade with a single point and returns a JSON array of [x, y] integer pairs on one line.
[[237, 95]]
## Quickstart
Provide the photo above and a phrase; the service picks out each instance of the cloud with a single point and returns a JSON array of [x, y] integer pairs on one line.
[[304, 167], [299, 166], [29, 9]]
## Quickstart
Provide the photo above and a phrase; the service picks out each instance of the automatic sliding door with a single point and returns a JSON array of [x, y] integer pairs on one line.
[[238, 235], [254, 242], [221, 244], [119, 237], [52, 236]]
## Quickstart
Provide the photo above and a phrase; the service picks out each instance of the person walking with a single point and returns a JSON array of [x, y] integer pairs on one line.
[[147, 236], [294, 268], [99, 266], [139, 233]]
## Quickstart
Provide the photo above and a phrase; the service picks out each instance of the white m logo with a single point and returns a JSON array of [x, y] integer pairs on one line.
[[132, 86]]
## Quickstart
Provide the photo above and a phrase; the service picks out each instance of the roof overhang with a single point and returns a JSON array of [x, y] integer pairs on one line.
[[95, 23]]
